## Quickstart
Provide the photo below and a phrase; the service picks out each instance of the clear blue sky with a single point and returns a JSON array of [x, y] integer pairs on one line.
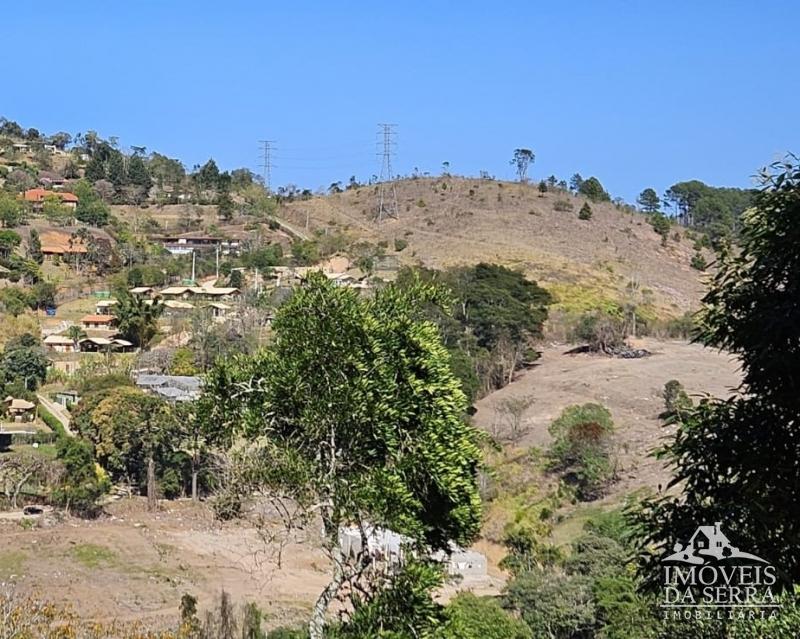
[[638, 93]]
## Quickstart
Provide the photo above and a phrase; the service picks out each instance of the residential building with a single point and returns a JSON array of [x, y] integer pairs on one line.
[[37, 197]]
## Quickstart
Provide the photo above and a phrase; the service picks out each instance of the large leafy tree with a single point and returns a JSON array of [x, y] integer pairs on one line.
[[354, 414], [648, 200], [137, 318], [23, 360], [737, 460]]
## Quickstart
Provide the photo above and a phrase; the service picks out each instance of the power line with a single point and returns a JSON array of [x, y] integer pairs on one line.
[[387, 193], [266, 164]]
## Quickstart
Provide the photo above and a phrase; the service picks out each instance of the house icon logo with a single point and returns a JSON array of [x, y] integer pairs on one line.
[[709, 578], [709, 545]]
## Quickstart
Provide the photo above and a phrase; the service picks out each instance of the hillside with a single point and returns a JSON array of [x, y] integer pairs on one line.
[[452, 221]]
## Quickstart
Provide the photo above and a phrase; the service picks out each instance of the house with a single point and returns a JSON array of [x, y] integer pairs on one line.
[[219, 310], [105, 344], [55, 242], [59, 344], [37, 197], [215, 293], [19, 409], [177, 308], [177, 292], [104, 307], [104, 322], [186, 243], [141, 291]]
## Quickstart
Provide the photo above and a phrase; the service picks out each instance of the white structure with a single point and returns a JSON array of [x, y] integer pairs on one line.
[[387, 545]]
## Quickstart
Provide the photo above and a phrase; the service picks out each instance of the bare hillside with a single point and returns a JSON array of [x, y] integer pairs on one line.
[[451, 221]]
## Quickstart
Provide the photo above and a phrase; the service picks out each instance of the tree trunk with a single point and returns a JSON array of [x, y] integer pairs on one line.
[[316, 626], [194, 484], [152, 501]]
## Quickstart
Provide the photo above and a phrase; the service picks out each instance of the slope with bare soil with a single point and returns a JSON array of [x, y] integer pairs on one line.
[[630, 388], [452, 221]]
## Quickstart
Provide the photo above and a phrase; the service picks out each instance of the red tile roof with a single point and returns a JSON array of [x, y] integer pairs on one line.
[[39, 195], [97, 319]]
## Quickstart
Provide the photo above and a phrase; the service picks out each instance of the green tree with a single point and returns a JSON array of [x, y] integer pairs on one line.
[[357, 418], [581, 447], [592, 189], [83, 484], [137, 318], [737, 460], [95, 170], [9, 240], [586, 212], [472, 617], [23, 359], [648, 200], [11, 211], [522, 159], [542, 188], [661, 225], [35, 247], [76, 334], [116, 169], [138, 174], [91, 209]]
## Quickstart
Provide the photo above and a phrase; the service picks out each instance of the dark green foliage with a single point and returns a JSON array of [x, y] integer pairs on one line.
[[472, 617], [542, 188], [401, 608], [581, 448], [81, 487], [263, 258], [586, 212], [138, 174], [592, 189], [554, 604], [305, 252], [494, 323], [699, 262], [714, 210], [9, 240], [35, 247], [23, 360], [400, 244], [738, 460], [676, 401], [137, 319], [601, 332], [661, 225], [95, 170], [649, 201]]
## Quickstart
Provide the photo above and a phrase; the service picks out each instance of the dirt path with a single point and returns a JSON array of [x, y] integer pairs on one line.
[[58, 411]]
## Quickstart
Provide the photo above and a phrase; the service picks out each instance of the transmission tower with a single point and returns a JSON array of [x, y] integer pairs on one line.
[[387, 193], [267, 147]]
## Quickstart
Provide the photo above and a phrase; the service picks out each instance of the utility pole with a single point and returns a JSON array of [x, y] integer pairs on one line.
[[267, 147], [387, 193], [217, 261], [193, 260]]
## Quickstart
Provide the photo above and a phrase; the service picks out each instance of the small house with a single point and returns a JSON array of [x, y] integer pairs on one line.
[[219, 310], [59, 344], [103, 322], [20, 410], [67, 397], [104, 307], [37, 197], [141, 291]]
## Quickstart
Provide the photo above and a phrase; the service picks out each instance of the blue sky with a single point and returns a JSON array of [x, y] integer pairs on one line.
[[637, 93]]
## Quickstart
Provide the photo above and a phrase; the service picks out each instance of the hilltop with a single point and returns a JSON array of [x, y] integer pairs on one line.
[[451, 221]]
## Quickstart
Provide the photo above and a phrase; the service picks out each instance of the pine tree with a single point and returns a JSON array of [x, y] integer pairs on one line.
[[116, 169], [138, 173], [586, 212], [649, 201], [95, 170]]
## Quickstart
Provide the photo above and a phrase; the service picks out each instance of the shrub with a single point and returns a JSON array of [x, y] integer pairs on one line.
[[472, 617], [699, 262], [586, 212], [676, 401], [563, 205], [600, 331], [400, 244], [581, 448]]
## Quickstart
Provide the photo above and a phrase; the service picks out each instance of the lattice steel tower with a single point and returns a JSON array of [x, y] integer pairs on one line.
[[387, 192]]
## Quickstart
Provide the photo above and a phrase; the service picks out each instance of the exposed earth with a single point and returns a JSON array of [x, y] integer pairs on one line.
[[131, 564]]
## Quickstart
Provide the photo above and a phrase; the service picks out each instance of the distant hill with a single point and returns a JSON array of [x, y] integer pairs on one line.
[[451, 221]]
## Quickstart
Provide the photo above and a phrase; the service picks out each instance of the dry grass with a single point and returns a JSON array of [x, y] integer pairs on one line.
[[464, 221]]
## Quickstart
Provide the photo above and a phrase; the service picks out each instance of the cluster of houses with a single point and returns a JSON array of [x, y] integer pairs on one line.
[[100, 327]]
